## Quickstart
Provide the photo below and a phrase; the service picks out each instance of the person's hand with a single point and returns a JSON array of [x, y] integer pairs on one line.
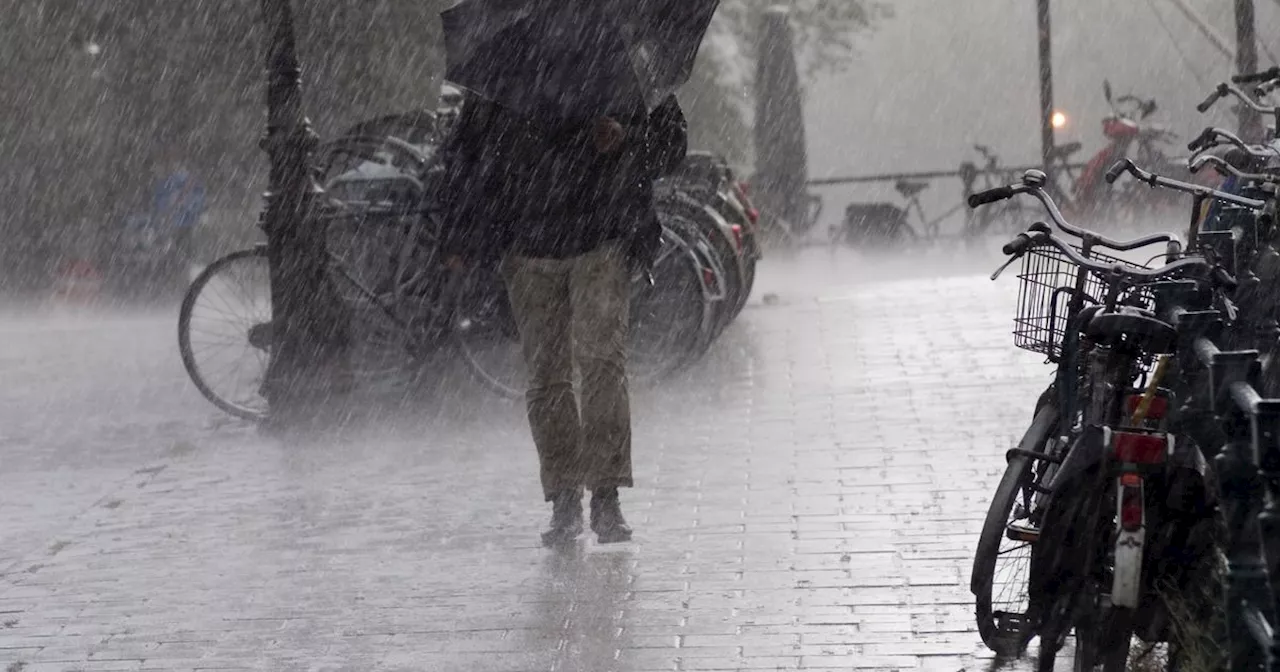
[[608, 135]]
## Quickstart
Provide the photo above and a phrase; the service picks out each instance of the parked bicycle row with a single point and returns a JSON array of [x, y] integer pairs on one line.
[[406, 311], [1079, 188], [1137, 515]]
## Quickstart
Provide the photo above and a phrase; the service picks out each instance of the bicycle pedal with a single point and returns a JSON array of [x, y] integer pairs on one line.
[[1022, 533]]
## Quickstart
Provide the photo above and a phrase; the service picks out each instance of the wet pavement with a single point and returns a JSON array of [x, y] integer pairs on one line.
[[807, 498]]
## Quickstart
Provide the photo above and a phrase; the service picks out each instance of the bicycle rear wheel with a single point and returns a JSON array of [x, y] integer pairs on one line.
[[670, 323], [1002, 561], [672, 319], [224, 332]]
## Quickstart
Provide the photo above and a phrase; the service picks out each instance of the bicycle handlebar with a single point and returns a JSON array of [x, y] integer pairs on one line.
[[1225, 168], [1033, 183], [1127, 166], [1209, 137], [1225, 89], [1132, 273], [1249, 78]]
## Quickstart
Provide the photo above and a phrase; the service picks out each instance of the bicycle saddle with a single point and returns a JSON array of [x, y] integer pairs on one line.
[[1065, 151], [908, 188], [1134, 327]]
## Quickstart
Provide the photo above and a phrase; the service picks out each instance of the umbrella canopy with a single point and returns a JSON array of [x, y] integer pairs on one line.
[[574, 58]]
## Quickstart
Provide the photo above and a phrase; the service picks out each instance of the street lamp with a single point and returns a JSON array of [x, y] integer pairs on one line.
[[307, 358]]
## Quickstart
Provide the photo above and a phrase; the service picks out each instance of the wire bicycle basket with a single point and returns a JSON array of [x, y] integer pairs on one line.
[[1048, 284]]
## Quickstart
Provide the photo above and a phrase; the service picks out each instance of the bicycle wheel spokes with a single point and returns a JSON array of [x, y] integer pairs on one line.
[[1009, 580], [488, 343], [225, 332]]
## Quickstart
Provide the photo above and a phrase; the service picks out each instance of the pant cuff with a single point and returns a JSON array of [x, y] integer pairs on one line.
[[611, 483], [549, 494]]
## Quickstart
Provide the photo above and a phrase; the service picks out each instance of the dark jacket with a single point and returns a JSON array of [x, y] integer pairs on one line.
[[542, 190]]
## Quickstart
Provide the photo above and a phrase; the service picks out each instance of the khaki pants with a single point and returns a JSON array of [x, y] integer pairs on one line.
[[575, 312]]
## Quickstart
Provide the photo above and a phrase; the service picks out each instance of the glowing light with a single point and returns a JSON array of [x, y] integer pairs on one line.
[[1058, 120], [93, 48]]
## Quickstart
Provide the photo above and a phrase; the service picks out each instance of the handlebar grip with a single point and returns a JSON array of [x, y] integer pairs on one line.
[[1248, 78], [1201, 141], [1116, 171], [1208, 102], [1018, 245], [990, 196]]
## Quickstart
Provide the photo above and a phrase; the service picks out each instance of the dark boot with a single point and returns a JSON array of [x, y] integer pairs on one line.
[[606, 517], [566, 518]]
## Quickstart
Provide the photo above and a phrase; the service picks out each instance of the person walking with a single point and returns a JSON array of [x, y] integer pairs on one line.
[[564, 209], [178, 203]]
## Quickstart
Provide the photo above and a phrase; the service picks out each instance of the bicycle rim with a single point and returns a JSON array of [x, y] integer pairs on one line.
[[227, 306]]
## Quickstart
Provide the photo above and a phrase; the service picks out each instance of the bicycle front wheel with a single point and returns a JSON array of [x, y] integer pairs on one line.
[[224, 332], [1002, 562]]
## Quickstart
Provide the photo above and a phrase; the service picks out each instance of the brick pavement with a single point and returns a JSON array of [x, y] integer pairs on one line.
[[807, 499]]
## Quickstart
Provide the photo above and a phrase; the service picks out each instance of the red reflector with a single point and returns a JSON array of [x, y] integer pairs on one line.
[[1130, 480], [737, 235], [709, 277], [1140, 448], [1159, 405], [1131, 505]]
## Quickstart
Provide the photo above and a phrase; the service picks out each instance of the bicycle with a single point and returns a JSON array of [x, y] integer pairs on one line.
[[1082, 498], [1006, 217], [880, 225], [406, 306]]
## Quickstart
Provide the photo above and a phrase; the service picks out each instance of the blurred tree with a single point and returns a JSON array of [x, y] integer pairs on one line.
[[96, 92], [824, 29], [720, 93]]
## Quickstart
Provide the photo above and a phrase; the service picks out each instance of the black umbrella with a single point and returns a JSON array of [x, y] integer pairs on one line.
[[574, 58]]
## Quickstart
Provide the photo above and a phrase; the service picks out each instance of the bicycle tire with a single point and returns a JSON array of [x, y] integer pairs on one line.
[[1018, 478], [1105, 646], [688, 347], [186, 350], [690, 331], [732, 262]]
